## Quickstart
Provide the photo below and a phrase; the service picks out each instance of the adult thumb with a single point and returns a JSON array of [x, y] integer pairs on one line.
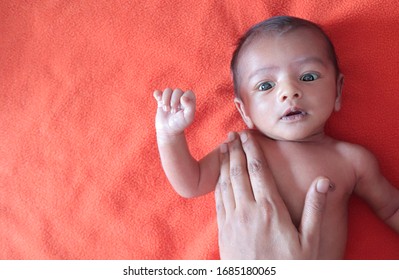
[[312, 216]]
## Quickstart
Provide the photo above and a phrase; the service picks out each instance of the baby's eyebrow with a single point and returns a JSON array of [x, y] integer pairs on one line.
[[297, 62], [308, 60], [262, 70]]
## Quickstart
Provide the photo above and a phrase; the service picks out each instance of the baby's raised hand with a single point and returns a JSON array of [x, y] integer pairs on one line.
[[175, 111]]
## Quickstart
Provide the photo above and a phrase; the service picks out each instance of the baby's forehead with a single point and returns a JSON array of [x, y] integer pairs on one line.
[[308, 33], [305, 34]]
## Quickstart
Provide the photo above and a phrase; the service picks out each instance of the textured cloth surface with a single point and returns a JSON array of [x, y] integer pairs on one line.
[[80, 176]]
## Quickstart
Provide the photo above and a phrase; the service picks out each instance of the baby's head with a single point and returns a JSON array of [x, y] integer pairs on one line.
[[286, 78]]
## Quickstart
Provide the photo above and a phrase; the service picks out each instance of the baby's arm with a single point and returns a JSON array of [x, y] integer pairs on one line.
[[189, 177], [375, 189]]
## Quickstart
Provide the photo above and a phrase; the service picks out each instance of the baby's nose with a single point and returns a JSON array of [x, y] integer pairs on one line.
[[290, 92]]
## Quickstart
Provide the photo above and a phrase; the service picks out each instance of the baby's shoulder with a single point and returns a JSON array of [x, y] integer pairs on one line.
[[357, 155], [351, 149]]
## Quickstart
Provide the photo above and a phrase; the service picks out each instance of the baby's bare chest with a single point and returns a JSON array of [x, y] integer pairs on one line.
[[296, 166]]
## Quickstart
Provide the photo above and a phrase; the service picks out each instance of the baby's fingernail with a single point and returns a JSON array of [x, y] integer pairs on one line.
[[323, 185], [223, 148], [243, 137]]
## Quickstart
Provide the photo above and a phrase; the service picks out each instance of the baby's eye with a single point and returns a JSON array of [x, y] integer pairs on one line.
[[265, 86], [308, 77]]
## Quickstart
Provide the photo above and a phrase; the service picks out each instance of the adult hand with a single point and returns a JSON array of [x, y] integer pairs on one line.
[[253, 220]]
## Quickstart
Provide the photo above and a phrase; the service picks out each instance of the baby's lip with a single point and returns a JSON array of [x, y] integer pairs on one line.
[[293, 111]]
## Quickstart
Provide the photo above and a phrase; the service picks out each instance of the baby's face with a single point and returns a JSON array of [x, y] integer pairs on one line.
[[288, 85]]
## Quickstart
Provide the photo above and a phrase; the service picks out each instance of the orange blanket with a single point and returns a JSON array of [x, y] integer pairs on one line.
[[80, 176]]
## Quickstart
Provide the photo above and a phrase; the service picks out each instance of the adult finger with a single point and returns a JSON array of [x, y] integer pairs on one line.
[[224, 183], [238, 172], [312, 215], [220, 211], [262, 179]]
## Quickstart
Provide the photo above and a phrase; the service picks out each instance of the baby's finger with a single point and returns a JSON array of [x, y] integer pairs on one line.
[[175, 100], [188, 105], [158, 97], [189, 95], [188, 100], [166, 95]]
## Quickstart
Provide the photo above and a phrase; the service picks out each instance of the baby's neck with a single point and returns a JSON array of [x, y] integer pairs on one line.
[[319, 138]]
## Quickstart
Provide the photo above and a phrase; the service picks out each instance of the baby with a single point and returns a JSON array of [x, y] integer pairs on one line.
[[287, 84]]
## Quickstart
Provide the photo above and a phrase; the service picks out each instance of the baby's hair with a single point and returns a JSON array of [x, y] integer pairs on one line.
[[278, 25]]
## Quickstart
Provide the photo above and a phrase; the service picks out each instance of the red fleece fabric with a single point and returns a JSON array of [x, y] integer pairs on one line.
[[80, 176]]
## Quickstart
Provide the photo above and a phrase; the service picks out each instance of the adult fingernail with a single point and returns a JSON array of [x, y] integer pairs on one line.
[[243, 137], [323, 185]]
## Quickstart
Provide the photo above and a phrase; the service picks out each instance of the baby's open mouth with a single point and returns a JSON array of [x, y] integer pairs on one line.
[[293, 114]]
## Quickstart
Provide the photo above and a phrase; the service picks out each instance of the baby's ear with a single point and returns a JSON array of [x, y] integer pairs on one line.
[[340, 84], [241, 108]]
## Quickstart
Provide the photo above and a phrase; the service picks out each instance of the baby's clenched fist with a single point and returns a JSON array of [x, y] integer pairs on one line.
[[175, 112]]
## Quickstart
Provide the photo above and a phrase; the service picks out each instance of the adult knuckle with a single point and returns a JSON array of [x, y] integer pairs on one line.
[[219, 207], [222, 184], [316, 206], [235, 146], [266, 209], [266, 205], [244, 216], [236, 170], [255, 166]]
